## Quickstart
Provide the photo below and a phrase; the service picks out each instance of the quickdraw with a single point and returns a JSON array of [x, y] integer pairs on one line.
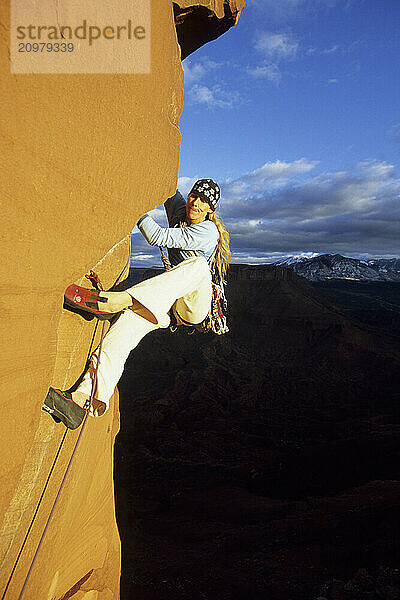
[[95, 280], [215, 321]]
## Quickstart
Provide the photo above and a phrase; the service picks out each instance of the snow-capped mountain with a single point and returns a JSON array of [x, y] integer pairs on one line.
[[385, 265], [334, 266], [292, 260]]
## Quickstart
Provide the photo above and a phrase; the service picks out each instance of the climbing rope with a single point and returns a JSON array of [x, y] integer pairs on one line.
[[67, 469], [166, 261], [94, 278], [35, 514]]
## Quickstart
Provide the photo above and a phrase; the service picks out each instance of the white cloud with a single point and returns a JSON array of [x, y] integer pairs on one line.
[[280, 168], [244, 226], [214, 97], [268, 71], [185, 184], [332, 50], [279, 209], [377, 169], [271, 175], [213, 92], [139, 257], [341, 49], [249, 258], [195, 71], [277, 45], [245, 258]]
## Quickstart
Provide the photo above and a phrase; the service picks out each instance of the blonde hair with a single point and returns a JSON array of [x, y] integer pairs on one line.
[[222, 254]]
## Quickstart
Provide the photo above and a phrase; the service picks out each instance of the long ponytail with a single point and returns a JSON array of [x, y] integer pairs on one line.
[[222, 253]]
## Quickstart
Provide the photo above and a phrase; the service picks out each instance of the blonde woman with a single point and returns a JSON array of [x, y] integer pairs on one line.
[[197, 241]]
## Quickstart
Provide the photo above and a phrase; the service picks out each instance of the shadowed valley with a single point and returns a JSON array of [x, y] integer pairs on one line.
[[263, 463]]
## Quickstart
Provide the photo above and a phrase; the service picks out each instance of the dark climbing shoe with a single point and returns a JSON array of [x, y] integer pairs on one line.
[[61, 407], [87, 301]]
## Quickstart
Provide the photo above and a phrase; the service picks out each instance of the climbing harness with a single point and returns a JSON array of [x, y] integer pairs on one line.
[[216, 320], [94, 278]]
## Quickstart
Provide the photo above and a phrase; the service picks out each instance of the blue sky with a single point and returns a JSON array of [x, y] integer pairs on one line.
[[296, 113]]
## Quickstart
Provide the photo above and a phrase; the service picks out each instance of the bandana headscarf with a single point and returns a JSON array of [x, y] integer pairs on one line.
[[207, 189]]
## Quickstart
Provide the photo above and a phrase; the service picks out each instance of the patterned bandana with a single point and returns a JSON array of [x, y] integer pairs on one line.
[[208, 190]]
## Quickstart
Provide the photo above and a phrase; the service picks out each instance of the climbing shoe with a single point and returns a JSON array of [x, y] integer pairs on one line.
[[60, 405], [79, 298]]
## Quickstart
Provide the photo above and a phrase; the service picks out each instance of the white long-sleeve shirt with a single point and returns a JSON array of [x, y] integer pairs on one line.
[[180, 241]]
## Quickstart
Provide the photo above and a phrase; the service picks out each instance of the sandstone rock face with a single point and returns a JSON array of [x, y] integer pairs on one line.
[[83, 157]]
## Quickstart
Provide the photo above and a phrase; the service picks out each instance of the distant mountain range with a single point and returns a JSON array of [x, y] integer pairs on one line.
[[335, 266], [320, 267]]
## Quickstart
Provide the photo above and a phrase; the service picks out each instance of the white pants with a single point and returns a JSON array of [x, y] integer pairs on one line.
[[186, 289]]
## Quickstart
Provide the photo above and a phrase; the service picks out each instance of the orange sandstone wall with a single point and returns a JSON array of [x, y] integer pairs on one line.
[[83, 156]]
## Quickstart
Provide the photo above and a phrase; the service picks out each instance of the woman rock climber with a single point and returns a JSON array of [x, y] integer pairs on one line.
[[195, 236]]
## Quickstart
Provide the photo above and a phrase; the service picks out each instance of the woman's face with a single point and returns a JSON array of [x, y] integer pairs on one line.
[[196, 209]]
